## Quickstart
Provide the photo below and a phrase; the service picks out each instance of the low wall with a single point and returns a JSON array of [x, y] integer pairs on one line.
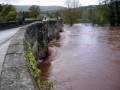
[[19, 64], [8, 25], [39, 34]]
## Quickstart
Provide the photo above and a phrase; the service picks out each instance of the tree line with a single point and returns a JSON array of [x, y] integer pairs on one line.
[[9, 13], [114, 18], [107, 12]]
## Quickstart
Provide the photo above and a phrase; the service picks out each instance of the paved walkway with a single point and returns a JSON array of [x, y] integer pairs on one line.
[[5, 38]]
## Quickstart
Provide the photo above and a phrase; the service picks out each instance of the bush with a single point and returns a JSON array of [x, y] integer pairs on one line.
[[8, 13], [12, 15]]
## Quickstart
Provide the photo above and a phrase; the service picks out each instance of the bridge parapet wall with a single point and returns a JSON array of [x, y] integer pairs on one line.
[[16, 74]]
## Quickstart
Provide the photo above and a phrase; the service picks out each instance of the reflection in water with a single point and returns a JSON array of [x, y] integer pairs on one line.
[[86, 58]]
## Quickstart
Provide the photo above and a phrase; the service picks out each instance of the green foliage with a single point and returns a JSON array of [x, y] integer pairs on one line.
[[12, 15], [96, 14], [39, 17], [32, 61], [46, 85], [8, 13], [104, 14], [1, 7], [50, 15], [114, 6], [71, 16], [54, 14], [108, 12], [35, 71], [34, 11]]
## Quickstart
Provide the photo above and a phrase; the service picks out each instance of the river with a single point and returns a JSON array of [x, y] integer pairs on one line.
[[85, 58]]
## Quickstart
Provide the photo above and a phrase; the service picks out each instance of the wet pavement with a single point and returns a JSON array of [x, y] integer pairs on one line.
[[85, 58], [5, 38]]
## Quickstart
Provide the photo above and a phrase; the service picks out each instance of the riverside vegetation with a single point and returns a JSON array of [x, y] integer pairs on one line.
[[35, 71]]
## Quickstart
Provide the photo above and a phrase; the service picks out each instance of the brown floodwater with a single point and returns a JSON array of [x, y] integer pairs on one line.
[[85, 58]]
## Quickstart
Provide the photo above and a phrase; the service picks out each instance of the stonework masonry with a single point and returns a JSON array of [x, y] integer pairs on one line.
[[15, 74]]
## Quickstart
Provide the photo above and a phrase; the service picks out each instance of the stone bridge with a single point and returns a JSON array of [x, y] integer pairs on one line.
[[26, 49]]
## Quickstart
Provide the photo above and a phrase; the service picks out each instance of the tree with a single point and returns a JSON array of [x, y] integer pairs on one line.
[[99, 15], [1, 6], [113, 10], [0, 12], [11, 16], [34, 11], [8, 13], [71, 13], [114, 6]]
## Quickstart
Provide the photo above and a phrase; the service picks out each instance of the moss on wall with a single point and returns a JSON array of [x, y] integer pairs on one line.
[[32, 62], [36, 38], [46, 85], [35, 71]]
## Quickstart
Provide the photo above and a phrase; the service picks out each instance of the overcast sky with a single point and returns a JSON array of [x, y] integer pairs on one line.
[[46, 2]]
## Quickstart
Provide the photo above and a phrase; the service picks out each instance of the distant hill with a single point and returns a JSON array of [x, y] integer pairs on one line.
[[43, 8]]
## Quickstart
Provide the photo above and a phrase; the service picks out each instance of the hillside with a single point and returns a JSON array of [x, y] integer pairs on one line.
[[43, 8]]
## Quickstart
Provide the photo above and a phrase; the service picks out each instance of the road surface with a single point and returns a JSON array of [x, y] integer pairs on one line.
[[5, 38]]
